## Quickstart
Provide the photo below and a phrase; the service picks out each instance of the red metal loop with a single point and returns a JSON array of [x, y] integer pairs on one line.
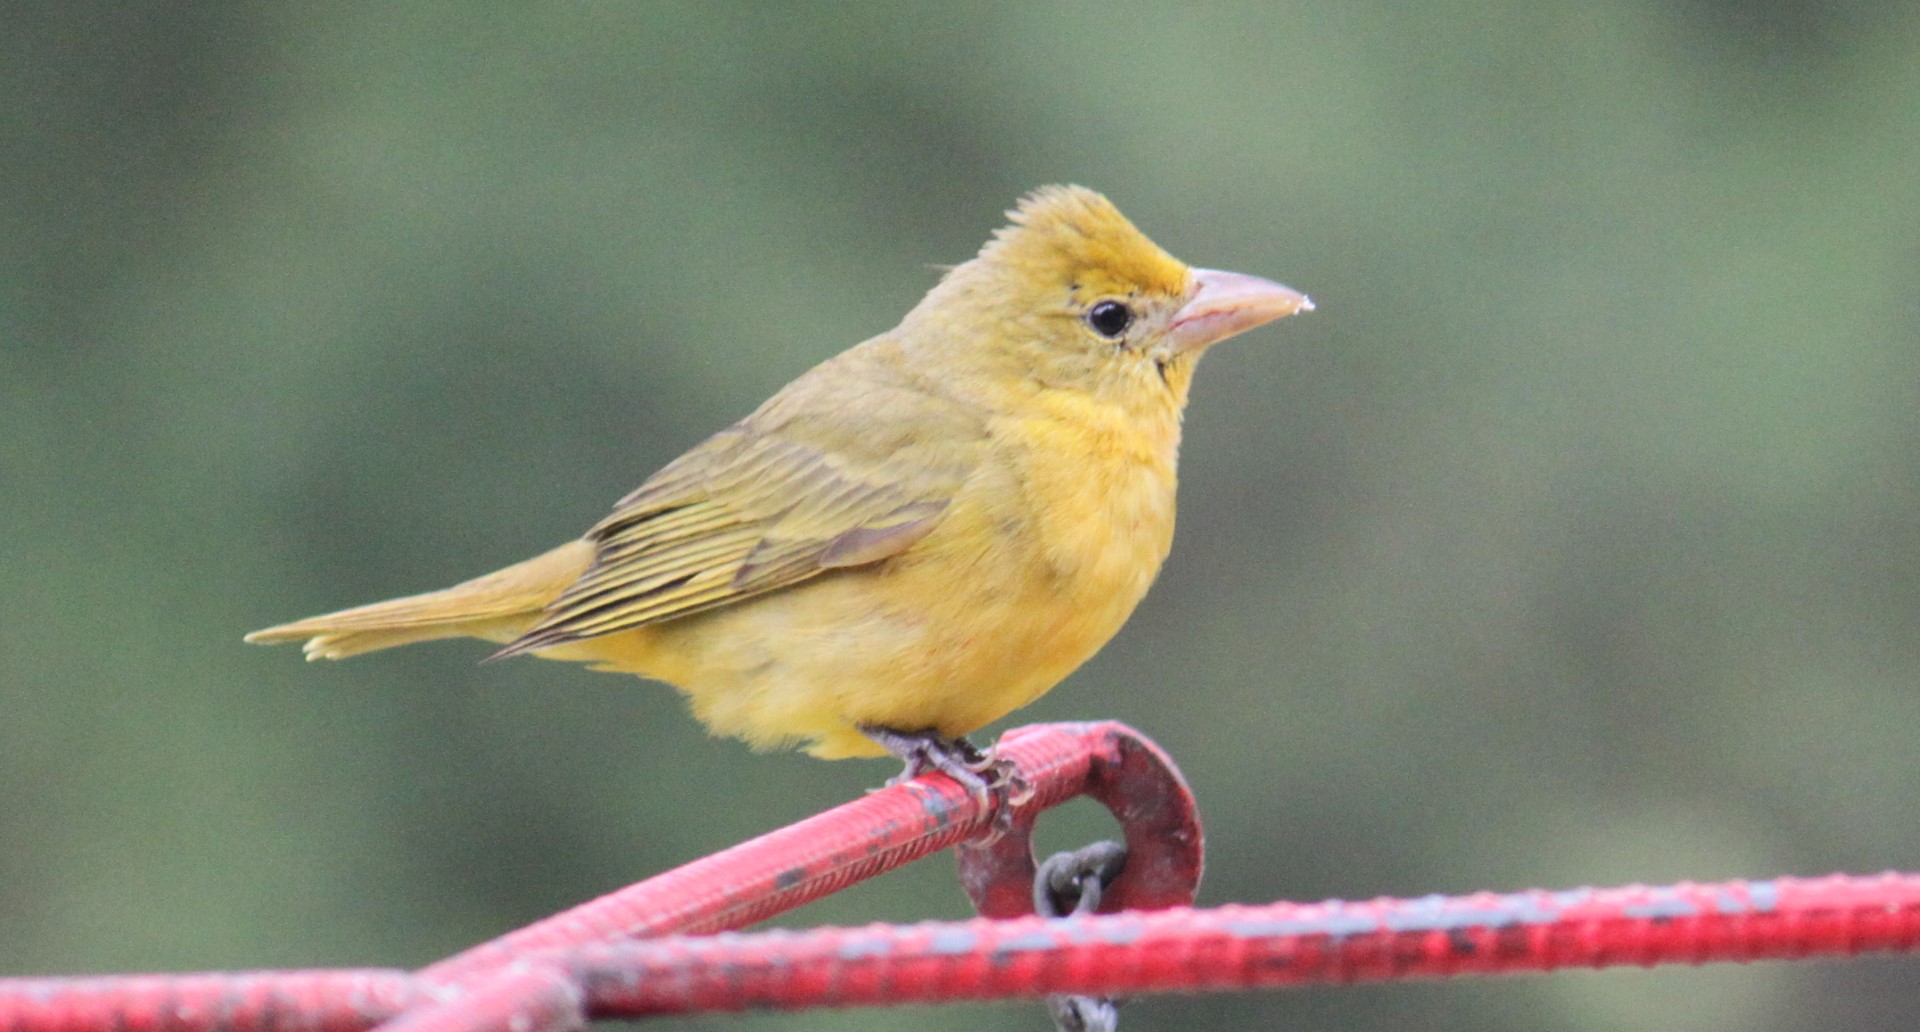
[[1138, 782]]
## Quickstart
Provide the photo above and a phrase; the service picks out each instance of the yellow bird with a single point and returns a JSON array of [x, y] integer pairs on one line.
[[913, 539]]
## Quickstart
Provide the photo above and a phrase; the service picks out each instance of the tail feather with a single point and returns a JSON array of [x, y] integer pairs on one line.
[[497, 607]]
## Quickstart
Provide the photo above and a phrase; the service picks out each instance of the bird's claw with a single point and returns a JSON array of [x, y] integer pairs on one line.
[[993, 783], [1003, 778]]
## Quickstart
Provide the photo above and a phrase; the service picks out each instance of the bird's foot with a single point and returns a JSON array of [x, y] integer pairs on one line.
[[993, 783]]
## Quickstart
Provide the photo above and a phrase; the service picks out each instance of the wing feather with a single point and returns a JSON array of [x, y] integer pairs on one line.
[[776, 499]]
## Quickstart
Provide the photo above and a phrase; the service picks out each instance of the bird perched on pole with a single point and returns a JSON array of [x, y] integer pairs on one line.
[[913, 539]]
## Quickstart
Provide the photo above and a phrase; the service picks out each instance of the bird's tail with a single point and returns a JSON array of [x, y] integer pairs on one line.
[[497, 607]]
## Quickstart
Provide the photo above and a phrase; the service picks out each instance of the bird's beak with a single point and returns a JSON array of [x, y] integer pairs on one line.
[[1228, 303]]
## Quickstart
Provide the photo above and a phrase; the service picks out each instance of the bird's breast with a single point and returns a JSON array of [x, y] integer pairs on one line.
[[1103, 509], [1042, 556]]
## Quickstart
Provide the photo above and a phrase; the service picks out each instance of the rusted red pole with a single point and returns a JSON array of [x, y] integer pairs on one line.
[[818, 856], [252, 1001], [1178, 950], [491, 987], [553, 975], [1246, 947]]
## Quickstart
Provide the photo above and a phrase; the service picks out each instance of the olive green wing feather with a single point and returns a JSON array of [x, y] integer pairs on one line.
[[757, 508]]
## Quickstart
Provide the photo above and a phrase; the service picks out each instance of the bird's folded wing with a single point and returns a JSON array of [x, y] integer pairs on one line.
[[746, 513]]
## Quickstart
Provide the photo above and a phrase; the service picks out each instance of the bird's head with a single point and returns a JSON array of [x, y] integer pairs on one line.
[[1071, 295]]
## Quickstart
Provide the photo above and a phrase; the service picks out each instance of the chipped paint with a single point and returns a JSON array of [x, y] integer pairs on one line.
[[1337, 924], [856, 948], [1665, 908], [953, 940]]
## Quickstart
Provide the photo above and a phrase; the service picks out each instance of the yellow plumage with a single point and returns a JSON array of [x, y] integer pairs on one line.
[[922, 533]]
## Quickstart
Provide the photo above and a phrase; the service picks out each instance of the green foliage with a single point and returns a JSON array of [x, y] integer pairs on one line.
[[1572, 540]]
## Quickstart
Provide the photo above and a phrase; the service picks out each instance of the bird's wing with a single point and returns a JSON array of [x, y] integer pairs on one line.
[[754, 509]]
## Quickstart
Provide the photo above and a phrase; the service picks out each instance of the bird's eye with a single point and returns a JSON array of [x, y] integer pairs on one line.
[[1110, 319]]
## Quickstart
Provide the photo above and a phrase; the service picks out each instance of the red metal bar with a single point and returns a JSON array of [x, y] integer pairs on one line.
[[489, 987], [820, 855], [551, 975], [530, 996], [1177, 950], [253, 1001], [1241, 947]]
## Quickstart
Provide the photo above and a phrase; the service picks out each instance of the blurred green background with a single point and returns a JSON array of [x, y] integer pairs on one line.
[[1574, 540]]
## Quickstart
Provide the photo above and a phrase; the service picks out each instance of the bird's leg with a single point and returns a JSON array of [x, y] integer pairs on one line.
[[991, 782]]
